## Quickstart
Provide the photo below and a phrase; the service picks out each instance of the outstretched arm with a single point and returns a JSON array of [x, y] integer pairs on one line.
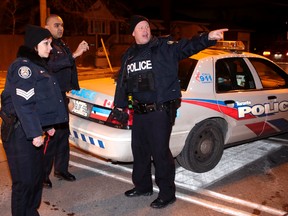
[[217, 34]]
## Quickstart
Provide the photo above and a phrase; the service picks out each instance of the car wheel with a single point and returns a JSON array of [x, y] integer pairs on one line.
[[203, 147]]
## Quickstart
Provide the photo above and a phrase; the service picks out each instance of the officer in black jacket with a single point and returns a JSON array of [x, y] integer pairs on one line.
[[63, 67], [31, 104], [148, 80]]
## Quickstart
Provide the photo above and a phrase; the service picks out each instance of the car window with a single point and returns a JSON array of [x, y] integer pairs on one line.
[[185, 70], [233, 74], [271, 76]]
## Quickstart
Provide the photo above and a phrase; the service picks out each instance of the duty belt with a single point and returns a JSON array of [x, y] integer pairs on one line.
[[141, 108]]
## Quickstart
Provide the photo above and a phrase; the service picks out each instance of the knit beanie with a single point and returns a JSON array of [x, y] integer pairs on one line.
[[135, 19], [34, 35]]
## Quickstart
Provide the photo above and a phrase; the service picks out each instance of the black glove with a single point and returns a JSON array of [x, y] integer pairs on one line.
[[119, 115]]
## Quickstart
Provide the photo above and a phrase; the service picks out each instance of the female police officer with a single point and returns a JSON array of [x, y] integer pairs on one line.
[[149, 73], [31, 104]]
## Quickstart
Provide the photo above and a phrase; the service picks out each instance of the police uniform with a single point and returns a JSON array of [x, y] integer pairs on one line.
[[33, 98], [63, 68], [150, 74]]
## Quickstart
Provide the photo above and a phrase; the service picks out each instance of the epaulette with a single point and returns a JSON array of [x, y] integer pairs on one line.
[[169, 39], [24, 60], [171, 42]]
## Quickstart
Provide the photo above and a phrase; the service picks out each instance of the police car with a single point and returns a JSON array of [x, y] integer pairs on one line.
[[229, 97]]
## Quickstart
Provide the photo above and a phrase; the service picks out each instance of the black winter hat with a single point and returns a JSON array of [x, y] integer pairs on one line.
[[34, 35], [135, 19]]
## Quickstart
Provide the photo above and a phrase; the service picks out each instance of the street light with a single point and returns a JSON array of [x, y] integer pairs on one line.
[[43, 12]]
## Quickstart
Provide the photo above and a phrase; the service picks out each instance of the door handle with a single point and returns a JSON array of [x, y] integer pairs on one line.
[[229, 102], [272, 97]]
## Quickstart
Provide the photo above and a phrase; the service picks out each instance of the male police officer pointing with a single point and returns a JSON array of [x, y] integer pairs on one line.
[[149, 73]]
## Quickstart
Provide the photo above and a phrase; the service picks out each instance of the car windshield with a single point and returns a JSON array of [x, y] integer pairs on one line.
[[185, 70], [270, 74]]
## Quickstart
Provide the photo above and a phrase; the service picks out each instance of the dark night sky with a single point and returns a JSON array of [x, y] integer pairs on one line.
[[267, 20], [265, 17], [253, 14]]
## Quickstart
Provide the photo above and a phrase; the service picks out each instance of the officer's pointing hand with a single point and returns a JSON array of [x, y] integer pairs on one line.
[[217, 34]]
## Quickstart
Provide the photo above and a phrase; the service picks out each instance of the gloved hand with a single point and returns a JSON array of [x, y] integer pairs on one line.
[[119, 115]]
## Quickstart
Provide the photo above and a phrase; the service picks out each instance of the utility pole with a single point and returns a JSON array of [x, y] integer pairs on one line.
[[43, 12]]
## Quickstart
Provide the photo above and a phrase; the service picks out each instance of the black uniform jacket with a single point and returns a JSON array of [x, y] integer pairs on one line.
[[32, 94], [63, 66], [165, 55]]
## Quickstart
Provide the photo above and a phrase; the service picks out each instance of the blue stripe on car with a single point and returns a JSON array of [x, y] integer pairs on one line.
[[90, 140]]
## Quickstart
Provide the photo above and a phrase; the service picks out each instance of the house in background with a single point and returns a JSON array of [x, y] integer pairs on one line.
[[109, 29], [110, 26], [110, 22]]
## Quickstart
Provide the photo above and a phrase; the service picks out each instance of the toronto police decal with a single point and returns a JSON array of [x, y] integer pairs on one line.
[[24, 72], [261, 109]]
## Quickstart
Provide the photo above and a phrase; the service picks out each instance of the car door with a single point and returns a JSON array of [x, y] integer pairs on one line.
[[240, 99], [274, 83]]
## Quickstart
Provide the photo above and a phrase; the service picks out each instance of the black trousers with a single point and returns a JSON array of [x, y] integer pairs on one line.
[[26, 167], [57, 149], [150, 140]]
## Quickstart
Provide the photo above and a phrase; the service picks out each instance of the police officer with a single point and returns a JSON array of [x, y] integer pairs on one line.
[[148, 77], [63, 67], [31, 104]]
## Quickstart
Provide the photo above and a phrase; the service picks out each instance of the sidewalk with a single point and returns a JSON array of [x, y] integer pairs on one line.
[[92, 72], [84, 71], [83, 74]]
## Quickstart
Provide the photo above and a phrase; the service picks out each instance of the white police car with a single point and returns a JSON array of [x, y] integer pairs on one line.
[[228, 97]]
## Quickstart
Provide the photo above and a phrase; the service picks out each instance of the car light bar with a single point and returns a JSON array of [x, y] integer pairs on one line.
[[229, 45], [266, 53]]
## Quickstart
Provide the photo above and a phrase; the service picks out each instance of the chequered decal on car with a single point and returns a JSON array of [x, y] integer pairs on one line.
[[271, 126], [88, 139], [281, 124]]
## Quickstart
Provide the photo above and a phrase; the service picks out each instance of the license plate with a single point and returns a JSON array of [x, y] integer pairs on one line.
[[81, 108]]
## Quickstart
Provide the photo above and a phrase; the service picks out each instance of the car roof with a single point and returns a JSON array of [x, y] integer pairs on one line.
[[225, 49]]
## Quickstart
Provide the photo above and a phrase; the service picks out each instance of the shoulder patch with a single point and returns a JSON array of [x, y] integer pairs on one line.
[[24, 72]]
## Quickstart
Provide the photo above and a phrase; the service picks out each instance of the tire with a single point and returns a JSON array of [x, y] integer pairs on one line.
[[203, 147]]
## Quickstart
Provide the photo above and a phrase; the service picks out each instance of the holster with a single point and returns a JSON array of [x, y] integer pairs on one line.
[[120, 116], [7, 126], [173, 105]]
